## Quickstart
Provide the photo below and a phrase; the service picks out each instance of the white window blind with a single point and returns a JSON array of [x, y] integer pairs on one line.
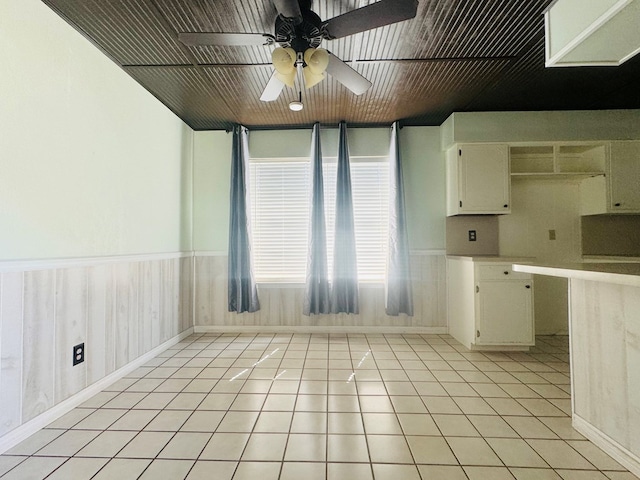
[[280, 210], [370, 193], [279, 191]]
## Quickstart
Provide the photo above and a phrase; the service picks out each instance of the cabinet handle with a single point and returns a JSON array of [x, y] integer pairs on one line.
[[527, 286], [461, 203], [506, 272], [477, 289], [616, 204]]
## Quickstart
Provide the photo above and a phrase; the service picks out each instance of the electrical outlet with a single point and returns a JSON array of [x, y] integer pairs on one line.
[[472, 235], [78, 354], [552, 234]]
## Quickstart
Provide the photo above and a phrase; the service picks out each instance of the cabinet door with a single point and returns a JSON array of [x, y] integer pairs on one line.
[[624, 177], [483, 177], [504, 313]]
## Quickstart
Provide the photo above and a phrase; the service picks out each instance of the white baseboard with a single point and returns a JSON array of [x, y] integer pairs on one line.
[[318, 329], [551, 333], [620, 454], [25, 430], [499, 348]]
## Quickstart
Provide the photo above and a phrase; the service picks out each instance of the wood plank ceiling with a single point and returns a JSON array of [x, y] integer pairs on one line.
[[455, 55]]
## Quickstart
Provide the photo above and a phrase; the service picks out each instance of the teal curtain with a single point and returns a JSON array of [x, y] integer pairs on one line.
[[316, 297], [399, 297], [344, 287], [242, 290]]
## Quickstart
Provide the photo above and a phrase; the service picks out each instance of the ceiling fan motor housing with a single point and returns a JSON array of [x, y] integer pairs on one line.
[[307, 34]]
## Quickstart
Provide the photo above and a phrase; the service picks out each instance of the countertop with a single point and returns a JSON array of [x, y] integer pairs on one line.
[[491, 258], [609, 258], [618, 273]]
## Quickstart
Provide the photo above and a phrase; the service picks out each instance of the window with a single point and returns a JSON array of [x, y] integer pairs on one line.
[[279, 195], [280, 204]]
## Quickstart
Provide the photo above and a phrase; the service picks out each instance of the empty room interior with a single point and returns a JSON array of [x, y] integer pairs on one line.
[[339, 239]]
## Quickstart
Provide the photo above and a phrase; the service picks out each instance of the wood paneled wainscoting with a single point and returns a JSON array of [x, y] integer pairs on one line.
[[281, 304], [123, 309]]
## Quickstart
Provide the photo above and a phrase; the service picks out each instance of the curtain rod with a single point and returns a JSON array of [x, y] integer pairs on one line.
[[323, 126]]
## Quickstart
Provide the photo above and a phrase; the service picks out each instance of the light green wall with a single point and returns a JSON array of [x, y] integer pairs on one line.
[[424, 180], [297, 143], [90, 163], [423, 173], [541, 126], [211, 175]]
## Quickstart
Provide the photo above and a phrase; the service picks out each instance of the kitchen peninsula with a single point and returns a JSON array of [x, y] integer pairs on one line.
[[604, 335]]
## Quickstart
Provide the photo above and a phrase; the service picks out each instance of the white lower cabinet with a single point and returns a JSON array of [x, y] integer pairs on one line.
[[490, 306]]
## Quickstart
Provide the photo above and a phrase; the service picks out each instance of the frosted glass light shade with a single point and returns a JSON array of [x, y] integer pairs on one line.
[[317, 60], [288, 79], [311, 79], [284, 60]]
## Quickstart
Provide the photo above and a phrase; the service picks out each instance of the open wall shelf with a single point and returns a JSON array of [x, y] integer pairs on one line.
[[558, 160]]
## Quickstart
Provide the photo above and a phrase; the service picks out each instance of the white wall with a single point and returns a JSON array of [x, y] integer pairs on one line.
[[91, 164], [538, 206]]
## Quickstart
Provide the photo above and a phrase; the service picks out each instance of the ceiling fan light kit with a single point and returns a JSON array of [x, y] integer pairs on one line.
[[284, 60], [299, 32], [296, 105], [311, 79]]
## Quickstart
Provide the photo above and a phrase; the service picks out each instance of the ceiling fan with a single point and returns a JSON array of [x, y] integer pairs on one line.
[[298, 33]]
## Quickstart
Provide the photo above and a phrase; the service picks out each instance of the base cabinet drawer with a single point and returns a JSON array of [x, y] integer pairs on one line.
[[501, 271]]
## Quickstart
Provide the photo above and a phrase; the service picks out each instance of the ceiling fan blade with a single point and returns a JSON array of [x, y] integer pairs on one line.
[[273, 89], [347, 75], [289, 9], [226, 39], [379, 14]]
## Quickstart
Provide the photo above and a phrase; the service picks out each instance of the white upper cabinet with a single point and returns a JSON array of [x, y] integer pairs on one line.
[[624, 177], [619, 190], [478, 175], [478, 179]]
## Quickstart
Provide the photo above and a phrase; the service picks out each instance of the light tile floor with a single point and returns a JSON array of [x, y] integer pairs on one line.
[[282, 406]]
